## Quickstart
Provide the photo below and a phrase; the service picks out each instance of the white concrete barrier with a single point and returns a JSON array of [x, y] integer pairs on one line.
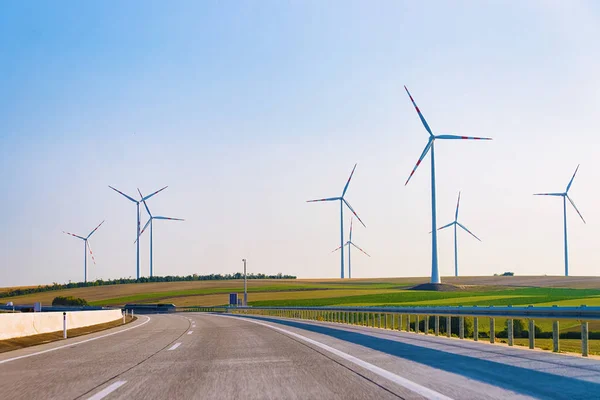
[[26, 324]]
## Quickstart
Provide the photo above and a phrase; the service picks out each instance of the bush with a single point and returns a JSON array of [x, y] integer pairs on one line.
[[69, 301]]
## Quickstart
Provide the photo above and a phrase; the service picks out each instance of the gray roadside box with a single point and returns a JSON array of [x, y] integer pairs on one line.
[[37, 307], [233, 299]]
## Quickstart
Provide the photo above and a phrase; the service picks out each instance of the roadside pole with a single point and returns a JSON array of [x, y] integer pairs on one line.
[[245, 285], [64, 325]]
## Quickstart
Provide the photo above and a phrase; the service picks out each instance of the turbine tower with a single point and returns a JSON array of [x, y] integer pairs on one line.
[[435, 274], [455, 223], [137, 204], [152, 217], [350, 243], [342, 201], [565, 197], [86, 247]]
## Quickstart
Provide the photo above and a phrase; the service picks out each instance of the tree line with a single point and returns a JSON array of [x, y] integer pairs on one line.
[[122, 281]]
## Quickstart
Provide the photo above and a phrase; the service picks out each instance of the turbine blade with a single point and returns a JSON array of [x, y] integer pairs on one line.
[[461, 137], [95, 229], [457, 204], [150, 195], [327, 199], [351, 221], [348, 183], [462, 226], [419, 112], [360, 249], [144, 201], [446, 226], [425, 151], [575, 207], [548, 194], [142, 231], [90, 249], [169, 218], [72, 234], [353, 212], [339, 247], [571, 181], [118, 191]]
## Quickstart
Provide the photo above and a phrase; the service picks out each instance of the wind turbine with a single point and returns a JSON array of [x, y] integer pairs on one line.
[[435, 274], [137, 203], [565, 197], [86, 247], [455, 223], [152, 217], [350, 243], [342, 201]]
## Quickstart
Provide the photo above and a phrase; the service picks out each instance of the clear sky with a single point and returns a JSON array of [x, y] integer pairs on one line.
[[247, 109]]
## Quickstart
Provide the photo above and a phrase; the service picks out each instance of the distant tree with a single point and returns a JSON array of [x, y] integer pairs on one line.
[[68, 301]]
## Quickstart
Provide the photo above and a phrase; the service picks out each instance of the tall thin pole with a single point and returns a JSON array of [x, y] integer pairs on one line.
[[342, 237], [435, 275], [566, 247], [245, 286], [138, 242], [85, 261], [151, 264], [349, 262], [455, 253]]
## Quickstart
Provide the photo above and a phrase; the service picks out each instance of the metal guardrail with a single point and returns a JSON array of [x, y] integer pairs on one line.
[[392, 318]]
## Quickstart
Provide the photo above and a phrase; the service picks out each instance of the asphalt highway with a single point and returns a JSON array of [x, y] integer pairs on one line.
[[204, 356]]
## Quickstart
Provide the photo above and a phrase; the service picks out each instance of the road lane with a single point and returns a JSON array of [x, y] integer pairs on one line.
[[230, 357], [73, 371]]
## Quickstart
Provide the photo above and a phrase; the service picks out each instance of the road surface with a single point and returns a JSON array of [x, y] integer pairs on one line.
[[204, 356]]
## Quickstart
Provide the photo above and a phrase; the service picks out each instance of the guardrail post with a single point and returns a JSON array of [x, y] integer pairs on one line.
[[379, 320], [427, 324], [372, 320], [555, 337], [511, 332], [123, 317], [584, 339], [449, 326], [407, 322], [475, 329], [437, 325], [399, 322], [531, 334], [64, 325], [385, 319], [492, 330], [417, 320], [461, 327]]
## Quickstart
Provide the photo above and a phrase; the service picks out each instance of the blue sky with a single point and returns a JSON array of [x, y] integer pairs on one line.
[[247, 109]]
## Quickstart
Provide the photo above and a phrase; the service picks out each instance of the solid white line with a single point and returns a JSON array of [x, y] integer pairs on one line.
[[190, 332], [176, 345], [74, 344], [415, 387], [108, 390]]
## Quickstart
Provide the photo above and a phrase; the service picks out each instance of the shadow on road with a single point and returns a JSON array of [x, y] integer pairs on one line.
[[521, 379]]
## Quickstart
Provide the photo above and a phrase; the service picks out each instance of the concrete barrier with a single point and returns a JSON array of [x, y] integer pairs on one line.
[[26, 324]]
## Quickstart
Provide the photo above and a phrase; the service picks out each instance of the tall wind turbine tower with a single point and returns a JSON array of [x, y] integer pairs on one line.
[[435, 273], [455, 223], [152, 217], [349, 244], [86, 247], [565, 196], [342, 201], [137, 204]]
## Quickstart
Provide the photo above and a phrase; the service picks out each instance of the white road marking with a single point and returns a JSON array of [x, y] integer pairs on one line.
[[415, 387], [108, 390], [190, 332], [73, 344], [176, 345]]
